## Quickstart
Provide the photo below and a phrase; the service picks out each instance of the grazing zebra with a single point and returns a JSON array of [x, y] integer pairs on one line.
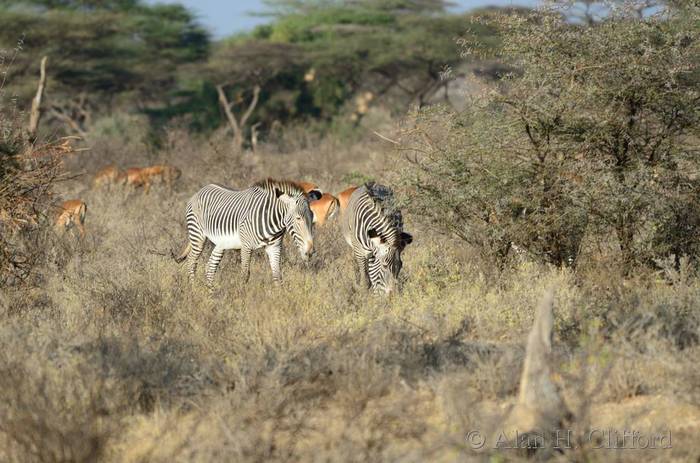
[[374, 231], [247, 220]]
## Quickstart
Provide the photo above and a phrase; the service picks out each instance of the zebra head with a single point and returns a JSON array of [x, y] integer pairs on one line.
[[385, 263], [298, 220]]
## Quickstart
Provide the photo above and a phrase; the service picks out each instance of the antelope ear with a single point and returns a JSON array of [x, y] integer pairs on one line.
[[406, 238], [314, 195], [334, 210]]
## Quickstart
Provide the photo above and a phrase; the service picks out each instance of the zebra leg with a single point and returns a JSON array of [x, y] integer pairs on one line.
[[213, 264], [245, 263], [196, 248], [361, 270], [196, 237], [273, 251]]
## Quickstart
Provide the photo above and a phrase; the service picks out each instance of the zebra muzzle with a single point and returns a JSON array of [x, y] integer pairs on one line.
[[308, 252]]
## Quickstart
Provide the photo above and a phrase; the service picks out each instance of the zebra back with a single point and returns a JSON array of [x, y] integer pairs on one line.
[[288, 187], [373, 206], [384, 199]]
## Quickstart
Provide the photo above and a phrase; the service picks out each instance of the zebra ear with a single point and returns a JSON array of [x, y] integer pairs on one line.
[[374, 237], [282, 196], [286, 199]]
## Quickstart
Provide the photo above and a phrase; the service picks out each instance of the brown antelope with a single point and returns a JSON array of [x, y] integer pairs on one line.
[[107, 176], [324, 208], [344, 197], [134, 177], [161, 173], [146, 176], [311, 190], [70, 213]]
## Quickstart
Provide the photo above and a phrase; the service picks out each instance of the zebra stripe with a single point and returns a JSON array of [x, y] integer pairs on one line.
[[376, 238], [247, 220]]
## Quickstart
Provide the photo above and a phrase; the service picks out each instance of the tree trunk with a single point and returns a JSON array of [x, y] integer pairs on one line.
[[75, 114], [237, 127], [254, 136], [35, 113], [63, 116]]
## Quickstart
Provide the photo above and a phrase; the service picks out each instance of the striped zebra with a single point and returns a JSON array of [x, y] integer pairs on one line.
[[375, 234], [247, 219]]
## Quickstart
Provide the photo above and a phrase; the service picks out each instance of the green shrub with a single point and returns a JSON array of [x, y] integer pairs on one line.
[[593, 138]]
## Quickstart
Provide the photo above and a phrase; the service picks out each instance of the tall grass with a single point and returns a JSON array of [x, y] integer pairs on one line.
[[115, 356]]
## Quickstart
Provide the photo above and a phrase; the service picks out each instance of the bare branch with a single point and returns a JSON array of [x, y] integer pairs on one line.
[[61, 115], [385, 138], [251, 107], [35, 113], [226, 106], [254, 135], [236, 125]]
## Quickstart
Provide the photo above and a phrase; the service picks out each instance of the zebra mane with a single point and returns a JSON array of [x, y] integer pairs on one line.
[[285, 186], [383, 198]]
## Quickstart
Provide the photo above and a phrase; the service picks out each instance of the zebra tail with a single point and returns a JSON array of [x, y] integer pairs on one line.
[[183, 255]]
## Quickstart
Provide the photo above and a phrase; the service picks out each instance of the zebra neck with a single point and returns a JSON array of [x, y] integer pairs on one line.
[[276, 227]]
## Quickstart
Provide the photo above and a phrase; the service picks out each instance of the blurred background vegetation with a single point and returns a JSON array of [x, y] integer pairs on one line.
[[309, 61]]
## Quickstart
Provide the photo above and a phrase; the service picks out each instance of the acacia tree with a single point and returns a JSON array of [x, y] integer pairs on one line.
[[102, 53], [394, 48], [315, 57], [247, 73], [593, 137]]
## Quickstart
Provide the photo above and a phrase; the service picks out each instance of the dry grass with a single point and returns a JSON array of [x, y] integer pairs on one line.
[[114, 356]]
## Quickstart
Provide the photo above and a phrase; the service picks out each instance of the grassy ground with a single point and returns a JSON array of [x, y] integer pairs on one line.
[[112, 355]]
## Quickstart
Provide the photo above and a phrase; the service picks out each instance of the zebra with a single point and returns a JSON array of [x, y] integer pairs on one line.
[[375, 233], [247, 220]]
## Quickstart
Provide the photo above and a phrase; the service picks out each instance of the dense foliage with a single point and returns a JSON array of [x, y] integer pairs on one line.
[[102, 48], [103, 56], [594, 141], [310, 61]]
